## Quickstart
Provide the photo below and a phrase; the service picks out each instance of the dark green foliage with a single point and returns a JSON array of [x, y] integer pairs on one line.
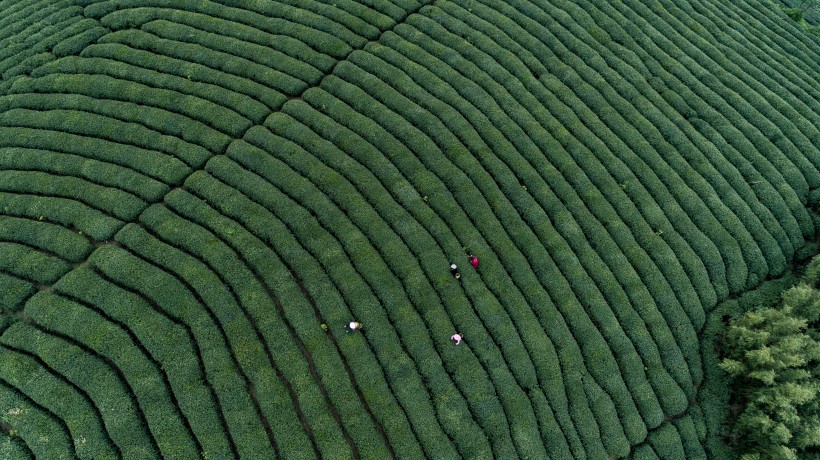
[[773, 355], [15, 290], [99, 172], [109, 200], [41, 432], [195, 196], [69, 403], [14, 447]]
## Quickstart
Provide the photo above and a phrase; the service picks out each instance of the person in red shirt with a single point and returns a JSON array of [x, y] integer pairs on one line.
[[473, 261]]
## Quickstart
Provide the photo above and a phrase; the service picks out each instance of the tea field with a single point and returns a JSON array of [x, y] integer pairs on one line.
[[197, 195]]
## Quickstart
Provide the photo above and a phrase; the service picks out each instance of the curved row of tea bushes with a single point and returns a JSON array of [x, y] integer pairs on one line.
[[151, 163], [370, 300], [29, 375], [39, 432], [320, 410], [66, 213], [47, 237], [146, 267], [367, 220], [248, 209], [123, 419], [13, 446], [107, 200], [161, 340], [97, 172], [16, 290], [35, 32], [99, 86], [29, 263], [523, 324]]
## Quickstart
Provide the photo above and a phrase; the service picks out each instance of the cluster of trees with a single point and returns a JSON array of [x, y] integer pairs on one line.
[[773, 355], [801, 11]]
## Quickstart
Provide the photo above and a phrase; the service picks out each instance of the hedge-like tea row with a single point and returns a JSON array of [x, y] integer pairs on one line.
[[98, 172], [225, 265], [105, 87], [47, 237], [154, 164], [321, 34], [28, 374], [16, 290], [33, 32], [457, 419], [123, 419], [190, 299], [196, 196], [41, 432], [276, 84], [108, 200], [60, 211]]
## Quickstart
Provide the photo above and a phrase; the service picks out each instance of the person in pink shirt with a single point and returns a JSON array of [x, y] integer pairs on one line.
[[456, 338], [473, 261]]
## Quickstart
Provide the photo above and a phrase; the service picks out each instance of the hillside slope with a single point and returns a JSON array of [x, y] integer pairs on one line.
[[196, 196]]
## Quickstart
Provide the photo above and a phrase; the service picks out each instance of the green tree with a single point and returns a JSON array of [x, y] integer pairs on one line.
[[773, 355], [803, 7]]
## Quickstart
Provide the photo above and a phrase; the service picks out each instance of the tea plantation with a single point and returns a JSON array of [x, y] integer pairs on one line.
[[197, 195]]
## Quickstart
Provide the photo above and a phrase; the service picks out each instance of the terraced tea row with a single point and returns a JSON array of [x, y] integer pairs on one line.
[[197, 195]]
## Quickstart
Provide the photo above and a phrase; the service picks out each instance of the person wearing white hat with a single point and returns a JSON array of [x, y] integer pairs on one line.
[[353, 326]]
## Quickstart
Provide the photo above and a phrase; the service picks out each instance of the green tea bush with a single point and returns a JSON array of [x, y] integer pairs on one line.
[[690, 438], [46, 236], [95, 171], [122, 417], [108, 200], [667, 442], [31, 264], [324, 35], [172, 349], [26, 373], [153, 164], [16, 290], [37, 428], [68, 213]]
